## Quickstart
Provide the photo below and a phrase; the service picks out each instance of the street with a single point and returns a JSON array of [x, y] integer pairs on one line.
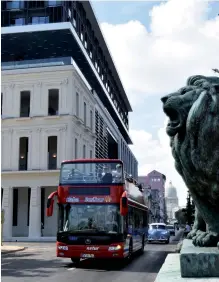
[[39, 263]]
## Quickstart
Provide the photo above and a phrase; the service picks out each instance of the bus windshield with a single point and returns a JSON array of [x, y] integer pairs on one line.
[[90, 218], [91, 173]]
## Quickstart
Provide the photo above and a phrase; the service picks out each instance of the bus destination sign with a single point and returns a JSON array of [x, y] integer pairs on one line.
[[88, 199]]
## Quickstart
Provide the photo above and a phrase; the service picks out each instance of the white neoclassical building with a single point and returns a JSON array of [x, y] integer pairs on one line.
[[47, 116], [172, 202]]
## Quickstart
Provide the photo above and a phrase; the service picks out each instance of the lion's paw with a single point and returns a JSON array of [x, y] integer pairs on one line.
[[205, 239], [192, 234]]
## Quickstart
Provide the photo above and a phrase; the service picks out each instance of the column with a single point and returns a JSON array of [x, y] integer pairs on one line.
[[36, 96], [7, 206], [35, 145], [35, 213], [61, 145], [63, 104], [44, 149]]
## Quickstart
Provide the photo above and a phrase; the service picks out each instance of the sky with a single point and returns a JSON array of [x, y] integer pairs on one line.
[[156, 46]]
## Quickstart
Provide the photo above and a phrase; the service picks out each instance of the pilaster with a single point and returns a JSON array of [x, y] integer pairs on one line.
[[7, 206], [35, 213]]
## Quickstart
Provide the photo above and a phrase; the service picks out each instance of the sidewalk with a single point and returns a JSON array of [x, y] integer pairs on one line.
[[179, 235], [5, 249]]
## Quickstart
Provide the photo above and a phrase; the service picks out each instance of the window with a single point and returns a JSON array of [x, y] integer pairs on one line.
[[28, 206], [40, 20], [91, 157], [17, 22], [137, 218], [52, 152], [85, 114], [85, 40], [91, 120], [79, 172], [15, 5], [84, 151], [54, 3], [77, 104], [90, 218], [76, 148], [2, 195], [91, 51], [23, 153], [25, 104], [43, 205], [53, 103], [82, 33], [84, 157], [15, 206], [74, 18]]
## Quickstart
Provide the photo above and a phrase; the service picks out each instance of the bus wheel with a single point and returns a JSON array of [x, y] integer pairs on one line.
[[75, 260], [143, 244]]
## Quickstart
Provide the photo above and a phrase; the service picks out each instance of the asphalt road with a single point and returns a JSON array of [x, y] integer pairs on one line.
[[39, 263]]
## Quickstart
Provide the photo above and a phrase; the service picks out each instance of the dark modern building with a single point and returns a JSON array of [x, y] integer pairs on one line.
[[39, 30]]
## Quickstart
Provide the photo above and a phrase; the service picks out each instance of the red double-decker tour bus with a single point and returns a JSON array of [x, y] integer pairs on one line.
[[101, 214]]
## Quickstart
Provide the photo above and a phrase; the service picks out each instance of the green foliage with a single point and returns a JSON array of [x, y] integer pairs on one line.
[[180, 216]]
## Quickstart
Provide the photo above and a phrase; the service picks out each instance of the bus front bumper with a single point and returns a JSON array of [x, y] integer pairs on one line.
[[91, 251]]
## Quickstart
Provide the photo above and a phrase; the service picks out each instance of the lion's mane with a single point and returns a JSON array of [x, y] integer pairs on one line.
[[194, 132]]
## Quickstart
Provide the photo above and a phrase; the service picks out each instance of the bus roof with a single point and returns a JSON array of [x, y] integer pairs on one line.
[[93, 160]]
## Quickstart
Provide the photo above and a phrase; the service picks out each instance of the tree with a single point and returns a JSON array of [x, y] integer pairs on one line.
[[180, 216]]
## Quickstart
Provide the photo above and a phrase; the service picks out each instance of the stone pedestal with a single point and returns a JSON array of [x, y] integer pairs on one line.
[[170, 272], [199, 261]]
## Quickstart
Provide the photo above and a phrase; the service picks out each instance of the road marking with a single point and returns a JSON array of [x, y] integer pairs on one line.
[[72, 268]]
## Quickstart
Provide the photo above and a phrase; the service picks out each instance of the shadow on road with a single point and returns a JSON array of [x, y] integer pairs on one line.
[[149, 262], [32, 264], [27, 265]]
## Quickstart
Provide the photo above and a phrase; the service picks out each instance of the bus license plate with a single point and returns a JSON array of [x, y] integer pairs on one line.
[[87, 255]]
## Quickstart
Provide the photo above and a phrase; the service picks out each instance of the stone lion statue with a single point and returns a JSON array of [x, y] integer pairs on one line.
[[193, 129]]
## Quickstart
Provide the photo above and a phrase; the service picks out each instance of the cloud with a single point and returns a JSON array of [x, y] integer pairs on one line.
[[156, 154], [180, 42]]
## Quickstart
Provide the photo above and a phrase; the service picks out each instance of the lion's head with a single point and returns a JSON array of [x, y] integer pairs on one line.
[[193, 128]]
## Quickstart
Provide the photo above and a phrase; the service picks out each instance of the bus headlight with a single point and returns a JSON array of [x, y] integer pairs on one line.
[[114, 248]]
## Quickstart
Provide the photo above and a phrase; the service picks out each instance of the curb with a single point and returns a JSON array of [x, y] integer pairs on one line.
[[13, 251]]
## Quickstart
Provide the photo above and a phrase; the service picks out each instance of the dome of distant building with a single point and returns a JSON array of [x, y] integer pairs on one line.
[[171, 191]]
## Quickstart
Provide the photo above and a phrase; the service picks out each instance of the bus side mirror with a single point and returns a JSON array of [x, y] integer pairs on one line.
[[124, 206], [49, 208]]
